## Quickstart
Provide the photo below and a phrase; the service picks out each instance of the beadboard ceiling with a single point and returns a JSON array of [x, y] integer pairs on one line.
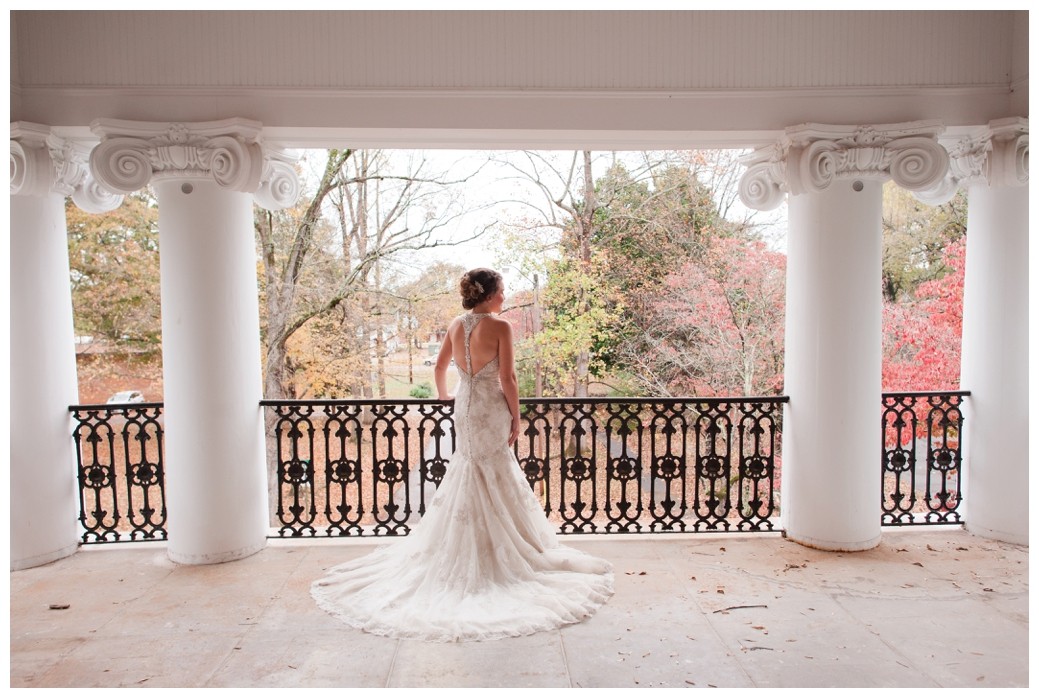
[[504, 78]]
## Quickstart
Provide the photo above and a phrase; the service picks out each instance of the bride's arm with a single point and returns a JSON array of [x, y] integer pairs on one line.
[[507, 375], [443, 361]]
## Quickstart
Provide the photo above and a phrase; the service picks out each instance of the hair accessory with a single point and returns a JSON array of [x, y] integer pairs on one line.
[[479, 286]]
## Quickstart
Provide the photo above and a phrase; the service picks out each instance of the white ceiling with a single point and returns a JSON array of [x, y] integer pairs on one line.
[[519, 79]]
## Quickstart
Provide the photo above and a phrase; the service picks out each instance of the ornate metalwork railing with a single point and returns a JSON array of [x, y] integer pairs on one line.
[[922, 461], [598, 465], [120, 466]]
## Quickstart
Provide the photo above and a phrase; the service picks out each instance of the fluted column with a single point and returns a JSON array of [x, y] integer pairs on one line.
[[831, 428], [44, 170], [991, 163], [205, 176]]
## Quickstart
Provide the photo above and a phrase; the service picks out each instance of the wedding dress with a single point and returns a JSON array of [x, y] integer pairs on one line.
[[484, 562]]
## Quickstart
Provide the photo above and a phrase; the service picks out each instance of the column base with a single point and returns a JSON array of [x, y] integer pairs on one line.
[[215, 558], [834, 546], [1003, 536], [37, 560]]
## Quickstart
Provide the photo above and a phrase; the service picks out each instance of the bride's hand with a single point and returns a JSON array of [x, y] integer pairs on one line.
[[446, 398], [514, 433]]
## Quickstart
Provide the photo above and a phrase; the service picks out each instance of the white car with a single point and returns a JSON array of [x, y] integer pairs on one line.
[[125, 396]]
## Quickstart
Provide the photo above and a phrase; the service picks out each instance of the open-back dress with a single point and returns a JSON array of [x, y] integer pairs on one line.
[[483, 562]]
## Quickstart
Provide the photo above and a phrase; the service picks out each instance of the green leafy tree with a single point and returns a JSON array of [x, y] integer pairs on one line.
[[915, 238], [114, 269]]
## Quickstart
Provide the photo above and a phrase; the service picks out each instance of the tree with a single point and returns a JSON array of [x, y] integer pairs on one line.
[[286, 239], [915, 238], [922, 337], [329, 256], [114, 275], [114, 269], [425, 306], [716, 327]]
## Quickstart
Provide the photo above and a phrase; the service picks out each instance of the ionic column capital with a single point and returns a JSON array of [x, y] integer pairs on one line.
[[44, 163], [230, 152], [810, 157], [995, 154]]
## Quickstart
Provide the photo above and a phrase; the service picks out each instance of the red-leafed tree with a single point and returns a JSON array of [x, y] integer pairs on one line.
[[716, 327], [922, 336]]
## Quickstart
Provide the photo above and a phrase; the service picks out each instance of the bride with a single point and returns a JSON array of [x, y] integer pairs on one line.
[[484, 562]]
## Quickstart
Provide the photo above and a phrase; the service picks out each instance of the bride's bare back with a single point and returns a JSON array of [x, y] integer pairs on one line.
[[484, 343]]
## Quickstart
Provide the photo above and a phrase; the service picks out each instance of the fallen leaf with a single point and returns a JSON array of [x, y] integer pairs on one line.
[[722, 549], [919, 564], [930, 548], [641, 573], [988, 589], [963, 548], [691, 683], [722, 591], [58, 606], [693, 578]]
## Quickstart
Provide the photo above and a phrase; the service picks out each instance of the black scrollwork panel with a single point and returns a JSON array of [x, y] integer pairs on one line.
[[578, 453], [294, 432], [624, 471], [390, 468], [533, 449], [344, 470], [921, 461], [944, 459], [436, 435], [668, 436], [145, 476], [898, 459], [119, 457], [758, 433], [713, 438]]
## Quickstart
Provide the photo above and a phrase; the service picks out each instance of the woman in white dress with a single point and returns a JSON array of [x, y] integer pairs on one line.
[[483, 562]]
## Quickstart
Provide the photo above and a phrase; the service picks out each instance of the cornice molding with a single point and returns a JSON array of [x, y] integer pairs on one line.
[[810, 157]]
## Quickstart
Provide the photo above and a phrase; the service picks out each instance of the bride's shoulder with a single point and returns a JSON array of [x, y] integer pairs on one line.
[[501, 324]]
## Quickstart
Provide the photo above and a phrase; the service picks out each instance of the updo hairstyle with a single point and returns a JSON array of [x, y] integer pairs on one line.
[[477, 285]]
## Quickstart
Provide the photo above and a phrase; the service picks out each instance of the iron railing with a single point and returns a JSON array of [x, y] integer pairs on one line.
[[598, 465], [119, 457], [922, 461]]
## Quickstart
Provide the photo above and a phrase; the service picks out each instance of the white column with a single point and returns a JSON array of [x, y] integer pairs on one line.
[[831, 470], [203, 174], [992, 163], [44, 491]]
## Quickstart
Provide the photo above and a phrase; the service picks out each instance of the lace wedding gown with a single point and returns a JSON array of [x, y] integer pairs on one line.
[[483, 562]]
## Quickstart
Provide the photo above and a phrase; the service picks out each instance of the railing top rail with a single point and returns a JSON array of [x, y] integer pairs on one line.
[[926, 393], [115, 406], [537, 401]]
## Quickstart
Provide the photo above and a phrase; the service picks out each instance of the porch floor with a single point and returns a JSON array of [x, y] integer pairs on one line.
[[927, 608]]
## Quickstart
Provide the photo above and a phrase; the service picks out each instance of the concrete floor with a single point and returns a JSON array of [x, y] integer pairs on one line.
[[927, 608]]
